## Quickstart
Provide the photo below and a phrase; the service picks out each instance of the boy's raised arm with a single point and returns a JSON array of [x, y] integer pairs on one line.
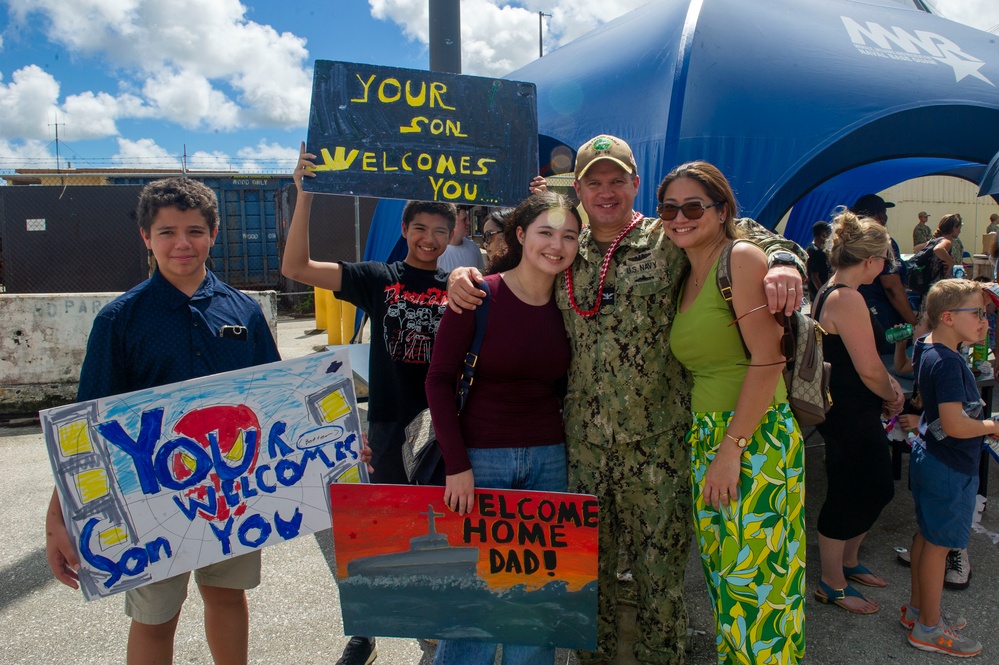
[[296, 263]]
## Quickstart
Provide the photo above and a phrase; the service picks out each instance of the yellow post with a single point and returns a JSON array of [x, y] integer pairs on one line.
[[347, 314], [333, 332], [319, 301]]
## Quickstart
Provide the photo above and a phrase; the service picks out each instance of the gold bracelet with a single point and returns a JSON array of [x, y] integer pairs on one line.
[[741, 441]]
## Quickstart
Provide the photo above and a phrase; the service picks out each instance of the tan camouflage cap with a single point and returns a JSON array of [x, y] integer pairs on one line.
[[605, 147]]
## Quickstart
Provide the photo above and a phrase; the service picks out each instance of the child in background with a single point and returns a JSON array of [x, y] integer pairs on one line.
[[943, 470]]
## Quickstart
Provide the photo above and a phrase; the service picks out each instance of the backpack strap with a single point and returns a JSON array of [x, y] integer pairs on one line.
[[820, 298], [472, 357], [723, 277]]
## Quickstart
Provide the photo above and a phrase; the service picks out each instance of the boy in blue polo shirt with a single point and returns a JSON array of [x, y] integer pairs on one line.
[[943, 469], [180, 324]]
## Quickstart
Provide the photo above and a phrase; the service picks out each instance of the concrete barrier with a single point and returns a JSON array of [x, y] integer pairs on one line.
[[44, 340]]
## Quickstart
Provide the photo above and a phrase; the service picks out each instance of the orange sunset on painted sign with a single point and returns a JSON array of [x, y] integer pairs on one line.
[[521, 565]]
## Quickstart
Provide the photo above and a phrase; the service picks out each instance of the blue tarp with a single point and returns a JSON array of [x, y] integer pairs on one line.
[[781, 95]]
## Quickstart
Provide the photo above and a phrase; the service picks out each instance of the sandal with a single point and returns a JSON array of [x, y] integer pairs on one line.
[[853, 574], [828, 595]]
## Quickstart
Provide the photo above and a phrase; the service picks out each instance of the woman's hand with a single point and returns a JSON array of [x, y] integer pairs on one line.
[[459, 492], [721, 482], [895, 404], [538, 184]]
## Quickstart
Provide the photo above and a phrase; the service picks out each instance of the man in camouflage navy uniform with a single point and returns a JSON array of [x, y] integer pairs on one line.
[[628, 406]]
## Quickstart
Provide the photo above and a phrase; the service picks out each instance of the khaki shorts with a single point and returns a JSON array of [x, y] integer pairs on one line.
[[159, 602]]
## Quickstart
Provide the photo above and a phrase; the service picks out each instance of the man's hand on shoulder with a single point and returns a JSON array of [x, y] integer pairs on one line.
[[783, 287], [462, 293]]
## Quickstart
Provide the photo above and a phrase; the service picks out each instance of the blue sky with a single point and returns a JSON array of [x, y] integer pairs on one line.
[[132, 82]]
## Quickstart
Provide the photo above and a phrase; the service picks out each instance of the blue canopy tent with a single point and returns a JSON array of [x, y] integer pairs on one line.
[[783, 96]]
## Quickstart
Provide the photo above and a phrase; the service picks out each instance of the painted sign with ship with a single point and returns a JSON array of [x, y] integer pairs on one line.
[[521, 568]]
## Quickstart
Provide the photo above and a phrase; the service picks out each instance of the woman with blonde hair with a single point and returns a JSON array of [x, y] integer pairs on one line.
[[746, 449], [858, 463]]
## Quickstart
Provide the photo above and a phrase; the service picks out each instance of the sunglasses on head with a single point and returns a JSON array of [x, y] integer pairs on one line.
[[692, 210], [979, 311]]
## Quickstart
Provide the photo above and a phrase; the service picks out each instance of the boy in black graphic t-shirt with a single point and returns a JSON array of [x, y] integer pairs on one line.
[[404, 300]]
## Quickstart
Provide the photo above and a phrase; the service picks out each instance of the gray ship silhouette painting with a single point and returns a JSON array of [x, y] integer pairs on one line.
[[430, 554]]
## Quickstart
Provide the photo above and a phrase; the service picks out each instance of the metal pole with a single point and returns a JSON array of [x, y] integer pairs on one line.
[[445, 36], [357, 228], [541, 30]]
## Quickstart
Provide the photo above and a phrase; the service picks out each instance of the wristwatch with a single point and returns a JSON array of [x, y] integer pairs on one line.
[[742, 441], [783, 258]]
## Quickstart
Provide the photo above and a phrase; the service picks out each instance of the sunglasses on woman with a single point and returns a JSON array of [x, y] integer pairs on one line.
[[487, 236], [692, 210]]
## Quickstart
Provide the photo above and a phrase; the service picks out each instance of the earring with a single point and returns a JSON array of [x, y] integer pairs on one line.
[[722, 220]]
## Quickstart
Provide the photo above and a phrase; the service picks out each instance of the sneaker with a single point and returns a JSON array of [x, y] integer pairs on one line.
[[910, 615], [902, 556], [943, 639], [359, 651], [958, 574]]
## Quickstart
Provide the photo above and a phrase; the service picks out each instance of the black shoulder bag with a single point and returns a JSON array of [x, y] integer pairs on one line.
[[420, 453]]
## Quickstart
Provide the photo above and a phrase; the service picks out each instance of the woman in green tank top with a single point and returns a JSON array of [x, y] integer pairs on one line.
[[747, 461]]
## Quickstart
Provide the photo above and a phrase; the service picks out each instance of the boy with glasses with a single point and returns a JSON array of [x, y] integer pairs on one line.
[[943, 470]]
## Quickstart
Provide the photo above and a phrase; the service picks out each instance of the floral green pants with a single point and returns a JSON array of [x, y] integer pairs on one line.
[[753, 552]]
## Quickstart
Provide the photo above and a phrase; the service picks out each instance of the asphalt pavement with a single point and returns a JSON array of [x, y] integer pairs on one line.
[[295, 612]]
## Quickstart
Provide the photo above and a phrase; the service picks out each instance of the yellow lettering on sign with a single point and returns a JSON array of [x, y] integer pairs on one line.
[[452, 190], [385, 98], [405, 164], [367, 85], [483, 168], [369, 162], [454, 129], [416, 100], [437, 89], [413, 126], [445, 164], [385, 166], [464, 165], [339, 161]]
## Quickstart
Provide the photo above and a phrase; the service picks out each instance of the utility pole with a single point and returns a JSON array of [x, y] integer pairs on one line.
[[541, 31], [56, 125], [445, 36]]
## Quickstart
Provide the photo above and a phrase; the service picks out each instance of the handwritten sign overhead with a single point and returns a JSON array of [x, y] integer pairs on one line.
[[413, 134], [162, 481]]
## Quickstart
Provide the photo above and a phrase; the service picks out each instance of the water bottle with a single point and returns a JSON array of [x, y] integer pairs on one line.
[[958, 271], [899, 333]]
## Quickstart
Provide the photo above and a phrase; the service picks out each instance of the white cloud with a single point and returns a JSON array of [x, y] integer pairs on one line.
[[28, 104], [210, 161], [495, 38], [981, 14], [189, 100], [243, 73], [30, 154], [144, 153]]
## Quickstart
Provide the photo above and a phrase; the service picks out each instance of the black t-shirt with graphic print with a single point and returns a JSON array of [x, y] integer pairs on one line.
[[405, 305]]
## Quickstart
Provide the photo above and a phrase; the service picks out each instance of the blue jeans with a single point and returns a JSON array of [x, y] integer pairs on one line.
[[531, 468]]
